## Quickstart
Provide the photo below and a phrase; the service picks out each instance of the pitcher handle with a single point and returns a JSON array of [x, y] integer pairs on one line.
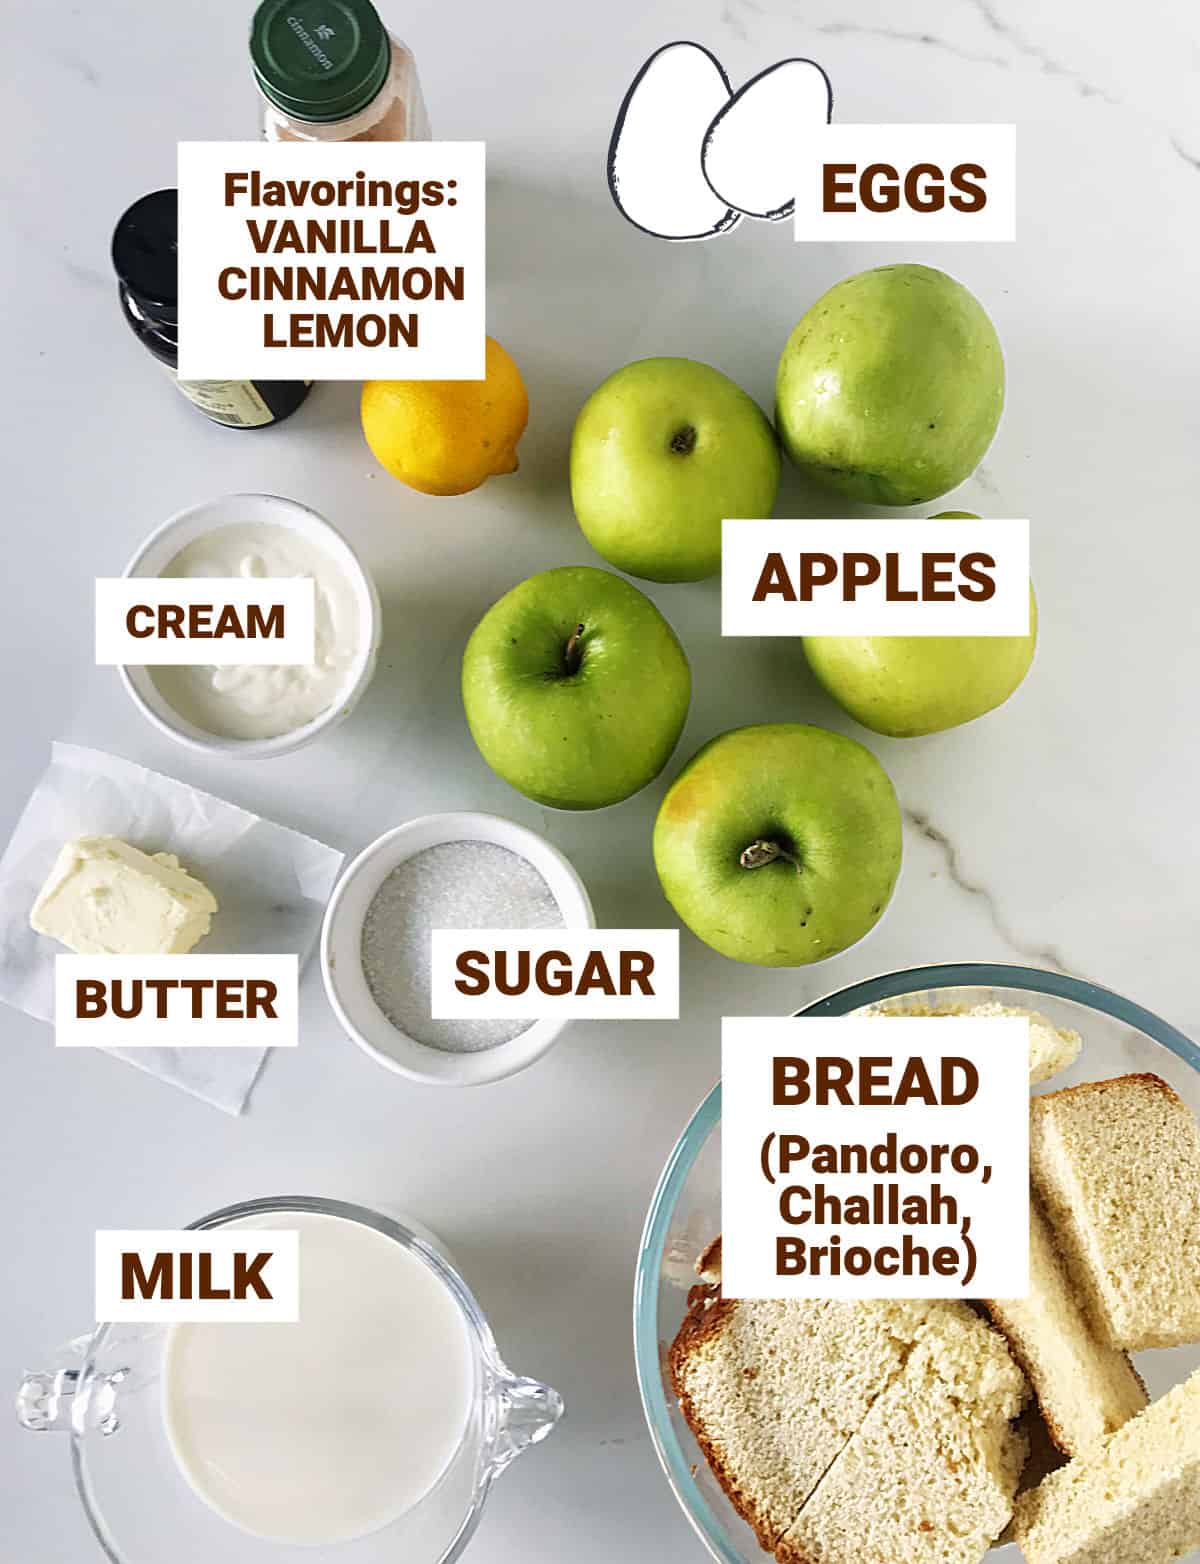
[[526, 1411], [49, 1400]]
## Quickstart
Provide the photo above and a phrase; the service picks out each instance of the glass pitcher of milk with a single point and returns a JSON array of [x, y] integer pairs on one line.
[[372, 1429]]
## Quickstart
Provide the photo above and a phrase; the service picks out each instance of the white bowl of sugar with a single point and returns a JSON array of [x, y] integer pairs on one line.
[[464, 871]]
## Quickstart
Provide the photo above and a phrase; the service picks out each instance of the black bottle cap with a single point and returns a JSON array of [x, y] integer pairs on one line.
[[144, 253]]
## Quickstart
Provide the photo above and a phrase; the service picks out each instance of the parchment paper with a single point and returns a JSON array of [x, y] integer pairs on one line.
[[271, 886]]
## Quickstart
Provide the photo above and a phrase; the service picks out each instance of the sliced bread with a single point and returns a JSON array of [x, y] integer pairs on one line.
[[1044, 1457], [772, 1391], [1085, 1388], [930, 1476], [1051, 1048], [1132, 1499], [1116, 1165]]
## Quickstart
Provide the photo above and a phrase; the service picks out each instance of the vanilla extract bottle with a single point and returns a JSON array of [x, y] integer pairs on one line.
[[144, 256]]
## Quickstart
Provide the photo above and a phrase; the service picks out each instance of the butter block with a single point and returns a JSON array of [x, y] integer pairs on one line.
[[104, 897]]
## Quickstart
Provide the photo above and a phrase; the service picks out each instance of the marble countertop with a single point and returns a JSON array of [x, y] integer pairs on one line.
[[1060, 831]]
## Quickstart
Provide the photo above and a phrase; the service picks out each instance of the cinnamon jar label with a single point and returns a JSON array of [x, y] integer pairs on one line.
[[346, 261]]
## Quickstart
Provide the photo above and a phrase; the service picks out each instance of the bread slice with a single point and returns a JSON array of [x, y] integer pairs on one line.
[[1085, 1388], [1051, 1048], [1133, 1499], [930, 1476], [1116, 1165], [1044, 1457], [772, 1390]]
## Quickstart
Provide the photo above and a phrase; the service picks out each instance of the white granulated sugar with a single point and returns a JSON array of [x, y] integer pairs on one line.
[[456, 885]]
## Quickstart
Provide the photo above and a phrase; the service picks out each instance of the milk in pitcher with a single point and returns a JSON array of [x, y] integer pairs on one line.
[[329, 1428]]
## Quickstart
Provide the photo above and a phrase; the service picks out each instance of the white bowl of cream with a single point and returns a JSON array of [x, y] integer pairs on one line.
[[261, 709]]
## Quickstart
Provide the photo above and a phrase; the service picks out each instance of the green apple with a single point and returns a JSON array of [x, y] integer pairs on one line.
[[575, 688], [662, 452], [779, 844], [891, 387], [905, 685]]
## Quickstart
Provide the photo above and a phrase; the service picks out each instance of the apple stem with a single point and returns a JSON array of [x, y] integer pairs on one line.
[[763, 852], [683, 441], [573, 652]]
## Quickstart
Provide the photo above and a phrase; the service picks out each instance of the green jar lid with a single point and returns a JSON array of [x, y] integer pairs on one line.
[[319, 60]]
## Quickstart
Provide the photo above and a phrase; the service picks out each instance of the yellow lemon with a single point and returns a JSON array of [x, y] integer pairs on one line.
[[447, 436]]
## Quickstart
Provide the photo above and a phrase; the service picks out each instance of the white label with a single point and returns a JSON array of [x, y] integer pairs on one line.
[[331, 261], [223, 622], [232, 402], [888, 184], [840, 1180], [185, 1001], [161, 1275], [587, 974], [911, 577]]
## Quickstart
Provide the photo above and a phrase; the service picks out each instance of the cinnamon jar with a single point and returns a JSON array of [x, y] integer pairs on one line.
[[328, 70]]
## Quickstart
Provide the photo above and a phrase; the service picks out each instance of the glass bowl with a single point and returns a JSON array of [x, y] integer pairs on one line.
[[107, 1391], [1119, 1038]]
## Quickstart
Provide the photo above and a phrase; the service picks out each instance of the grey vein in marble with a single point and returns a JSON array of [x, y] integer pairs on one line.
[[731, 20], [1033, 51], [1050, 65], [88, 275], [1040, 955], [985, 480], [77, 65], [1025, 46], [898, 35]]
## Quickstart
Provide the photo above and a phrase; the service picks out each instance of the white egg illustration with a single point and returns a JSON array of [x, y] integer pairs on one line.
[[654, 169], [751, 148]]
